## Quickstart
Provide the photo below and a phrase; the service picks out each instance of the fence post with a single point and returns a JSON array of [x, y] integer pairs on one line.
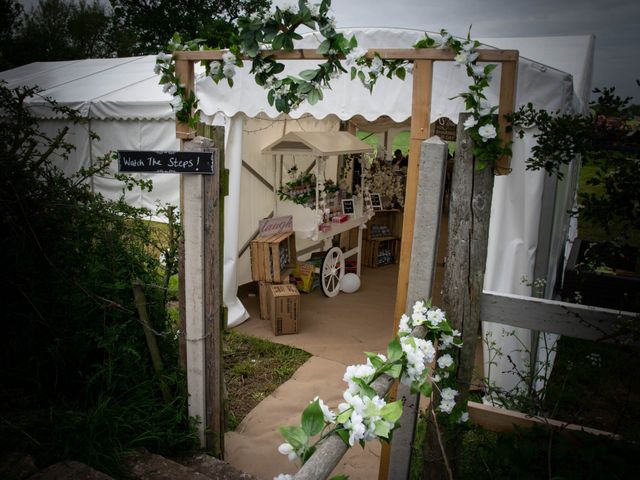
[[469, 213], [433, 165]]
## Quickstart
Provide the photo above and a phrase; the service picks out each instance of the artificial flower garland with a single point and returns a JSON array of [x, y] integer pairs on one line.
[[278, 32], [364, 416]]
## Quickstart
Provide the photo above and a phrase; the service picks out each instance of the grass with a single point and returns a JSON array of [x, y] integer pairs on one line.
[[253, 369]]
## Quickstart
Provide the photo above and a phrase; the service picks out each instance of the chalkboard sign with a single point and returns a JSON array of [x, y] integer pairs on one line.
[[376, 201], [167, 162], [348, 207], [445, 129]]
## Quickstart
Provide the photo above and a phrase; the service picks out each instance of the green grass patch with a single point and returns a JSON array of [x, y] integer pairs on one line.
[[253, 369]]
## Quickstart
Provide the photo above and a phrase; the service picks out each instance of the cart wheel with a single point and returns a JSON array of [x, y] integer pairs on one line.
[[332, 272]]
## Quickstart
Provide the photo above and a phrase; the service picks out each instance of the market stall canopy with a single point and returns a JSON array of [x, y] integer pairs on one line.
[[318, 143]]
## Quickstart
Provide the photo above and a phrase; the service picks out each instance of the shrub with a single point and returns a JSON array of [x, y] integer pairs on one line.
[[78, 381]]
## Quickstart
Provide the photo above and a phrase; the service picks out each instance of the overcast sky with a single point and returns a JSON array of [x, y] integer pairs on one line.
[[615, 24]]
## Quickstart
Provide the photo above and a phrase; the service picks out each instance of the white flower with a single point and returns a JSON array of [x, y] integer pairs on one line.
[[376, 65], [404, 328], [444, 40], [353, 401], [464, 417], [456, 333], [214, 68], [283, 476], [328, 415], [467, 46], [485, 108], [446, 406], [418, 318], [356, 428], [228, 57], [157, 68], [435, 316], [163, 57], [445, 361], [289, 7], [354, 55], [419, 307], [487, 131], [409, 68], [448, 393], [314, 8], [176, 103], [436, 378], [461, 58], [287, 449], [170, 88], [478, 71], [229, 70], [446, 340], [470, 123]]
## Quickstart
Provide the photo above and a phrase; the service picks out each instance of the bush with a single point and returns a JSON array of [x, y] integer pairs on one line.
[[80, 384]]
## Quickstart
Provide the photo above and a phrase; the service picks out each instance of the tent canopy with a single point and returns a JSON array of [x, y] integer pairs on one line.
[[318, 143]]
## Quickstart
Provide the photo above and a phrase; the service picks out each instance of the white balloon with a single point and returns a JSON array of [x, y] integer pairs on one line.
[[350, 283]]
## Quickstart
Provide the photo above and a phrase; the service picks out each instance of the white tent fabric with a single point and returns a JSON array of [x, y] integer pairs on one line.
[[515, 217]]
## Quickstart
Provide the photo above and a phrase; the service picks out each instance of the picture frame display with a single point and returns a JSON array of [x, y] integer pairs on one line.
[[348, 207], [376, 201]]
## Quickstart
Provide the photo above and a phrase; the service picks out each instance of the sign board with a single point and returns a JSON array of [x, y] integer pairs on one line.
[[274, 226], [167, 162], [445, 129], [348, 207]]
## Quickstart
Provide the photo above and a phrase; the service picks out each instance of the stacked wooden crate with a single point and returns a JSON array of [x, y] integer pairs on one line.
[[273, 260], [381, 245]]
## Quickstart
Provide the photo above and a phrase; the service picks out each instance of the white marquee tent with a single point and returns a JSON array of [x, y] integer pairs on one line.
[[128, 109]]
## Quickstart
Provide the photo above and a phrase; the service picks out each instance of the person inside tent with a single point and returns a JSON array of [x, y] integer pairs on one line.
[[399, 160]]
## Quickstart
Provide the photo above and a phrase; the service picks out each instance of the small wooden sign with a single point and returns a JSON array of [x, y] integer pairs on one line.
[[167, 162], [445, 129], [376, 201], [274, 226], [348, 207]]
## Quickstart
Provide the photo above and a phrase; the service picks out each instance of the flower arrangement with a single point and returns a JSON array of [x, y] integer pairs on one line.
[[380, 177], [278, 32], [365, 415], [301, 190]]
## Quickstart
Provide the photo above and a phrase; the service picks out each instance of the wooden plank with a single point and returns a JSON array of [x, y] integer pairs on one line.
[[420, 113], [214, 312], [433, 166], [257, 175], [431, 54], [184, 71], [194, 286], [502, 420], [570, 319], [508, 79], [182, 315]]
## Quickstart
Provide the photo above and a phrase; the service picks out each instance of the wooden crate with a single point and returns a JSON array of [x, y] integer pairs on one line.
[[273, 258], [371, 251]]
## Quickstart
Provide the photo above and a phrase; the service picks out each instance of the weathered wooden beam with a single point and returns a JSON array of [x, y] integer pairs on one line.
[[570, 319], [502, 420], [433, 54], [433, 166]]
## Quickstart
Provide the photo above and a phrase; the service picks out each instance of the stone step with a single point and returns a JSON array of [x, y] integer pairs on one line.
[[214, 468], [148, 466]]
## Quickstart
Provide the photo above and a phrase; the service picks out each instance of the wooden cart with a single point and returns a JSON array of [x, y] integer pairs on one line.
[[307, 203]]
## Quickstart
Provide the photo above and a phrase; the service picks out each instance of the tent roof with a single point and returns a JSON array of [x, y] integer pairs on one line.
[[318, 143], [542, 85], [105, 88]]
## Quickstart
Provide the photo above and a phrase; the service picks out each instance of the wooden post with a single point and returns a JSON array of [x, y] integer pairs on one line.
[[469, 212], [433, 166], [203, 305], [420, 121], [508, 79], [184, 71]]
